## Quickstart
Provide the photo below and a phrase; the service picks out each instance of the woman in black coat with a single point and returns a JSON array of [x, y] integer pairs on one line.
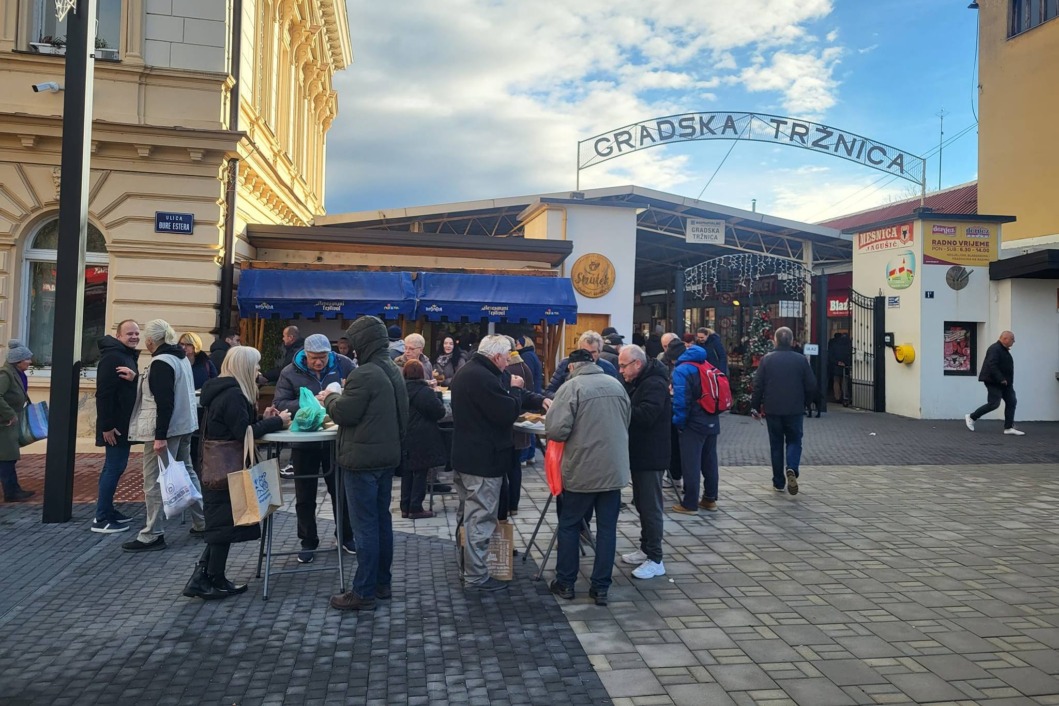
[[229, 408], [424, 447]]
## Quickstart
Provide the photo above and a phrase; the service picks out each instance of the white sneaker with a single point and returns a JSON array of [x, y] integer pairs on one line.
[[649, 569], [1014, 432], [635, 558], [968, 421]]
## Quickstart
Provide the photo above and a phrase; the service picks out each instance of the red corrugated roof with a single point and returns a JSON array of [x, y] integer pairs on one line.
[[961, 199]]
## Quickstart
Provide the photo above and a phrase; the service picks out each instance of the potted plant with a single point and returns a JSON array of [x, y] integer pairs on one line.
[[50, 45], [104, 51]]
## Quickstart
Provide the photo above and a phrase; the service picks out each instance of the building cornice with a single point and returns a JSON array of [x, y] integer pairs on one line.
[[336, 27]]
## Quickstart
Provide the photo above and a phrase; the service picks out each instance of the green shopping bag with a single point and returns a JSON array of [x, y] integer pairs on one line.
[[310, 414]]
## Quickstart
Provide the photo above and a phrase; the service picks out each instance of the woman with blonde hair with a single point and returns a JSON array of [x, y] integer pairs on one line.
[[201, 366], [230, 404]]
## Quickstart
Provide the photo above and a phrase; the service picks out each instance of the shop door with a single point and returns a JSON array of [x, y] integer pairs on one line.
[[867, 381], [585, 322]]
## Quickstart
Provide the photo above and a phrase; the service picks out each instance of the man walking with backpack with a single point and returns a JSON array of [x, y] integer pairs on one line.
[[783, 384], [695, 415]]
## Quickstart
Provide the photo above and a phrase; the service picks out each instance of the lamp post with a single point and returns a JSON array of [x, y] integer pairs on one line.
[[70, 259]]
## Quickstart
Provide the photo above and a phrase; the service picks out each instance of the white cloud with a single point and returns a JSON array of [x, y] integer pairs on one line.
[[469, 99], [805, 80]]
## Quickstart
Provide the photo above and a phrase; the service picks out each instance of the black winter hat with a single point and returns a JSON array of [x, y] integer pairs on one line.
[[580, 356]]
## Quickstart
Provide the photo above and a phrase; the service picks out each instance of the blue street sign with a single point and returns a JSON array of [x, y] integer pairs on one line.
[[174, 222]]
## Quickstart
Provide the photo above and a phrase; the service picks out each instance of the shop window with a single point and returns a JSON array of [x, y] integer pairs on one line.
[[48, 35], [39, 294], [1027, 14]]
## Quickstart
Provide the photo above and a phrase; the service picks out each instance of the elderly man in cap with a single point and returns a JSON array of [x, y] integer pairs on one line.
[[588, 341], [590, 414], [314, 367]]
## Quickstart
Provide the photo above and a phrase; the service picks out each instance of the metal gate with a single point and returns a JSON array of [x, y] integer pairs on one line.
[[867, 369]]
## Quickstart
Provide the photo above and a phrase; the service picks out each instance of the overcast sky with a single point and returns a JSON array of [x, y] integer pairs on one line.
[[456, 100]]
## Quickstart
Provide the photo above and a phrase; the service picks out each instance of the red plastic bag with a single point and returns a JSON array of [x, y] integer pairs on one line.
[[553, 466]]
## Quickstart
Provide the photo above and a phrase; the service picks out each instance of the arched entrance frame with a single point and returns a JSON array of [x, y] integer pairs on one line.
[[753, 127], [732, 277]]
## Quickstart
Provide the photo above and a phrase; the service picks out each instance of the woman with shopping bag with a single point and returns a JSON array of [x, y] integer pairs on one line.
[[13, 399], [230, 412]]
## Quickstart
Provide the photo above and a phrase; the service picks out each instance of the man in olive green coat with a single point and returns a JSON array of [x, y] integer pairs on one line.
[[372, 416]]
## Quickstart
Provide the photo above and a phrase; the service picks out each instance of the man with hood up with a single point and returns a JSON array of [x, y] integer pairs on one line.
[[372, 418], [698, 435], [315, 367], [115, 397]]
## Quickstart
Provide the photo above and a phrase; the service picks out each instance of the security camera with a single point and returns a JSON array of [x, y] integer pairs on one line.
[[49, 87]]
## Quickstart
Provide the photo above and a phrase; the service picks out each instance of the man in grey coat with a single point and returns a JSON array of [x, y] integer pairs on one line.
[[591, 414]]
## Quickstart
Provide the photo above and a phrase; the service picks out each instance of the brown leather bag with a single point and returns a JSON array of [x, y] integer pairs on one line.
[[219, 458]]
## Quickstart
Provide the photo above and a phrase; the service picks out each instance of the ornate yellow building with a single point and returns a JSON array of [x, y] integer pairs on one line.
[[200, 105], [1018, 74]]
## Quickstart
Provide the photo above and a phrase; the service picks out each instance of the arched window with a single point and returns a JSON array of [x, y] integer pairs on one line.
[[39, 307]]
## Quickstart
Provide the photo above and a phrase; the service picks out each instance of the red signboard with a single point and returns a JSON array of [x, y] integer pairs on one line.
[[837, 305]]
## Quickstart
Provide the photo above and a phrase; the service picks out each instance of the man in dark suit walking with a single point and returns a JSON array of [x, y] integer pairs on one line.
[[998, 374]]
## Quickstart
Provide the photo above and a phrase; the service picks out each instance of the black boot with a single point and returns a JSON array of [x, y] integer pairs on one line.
[[200, 586], [225, 586]]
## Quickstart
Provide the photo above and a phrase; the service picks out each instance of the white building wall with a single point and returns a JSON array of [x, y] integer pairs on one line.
[[609, 231], [903, 382], [952, 396], [1029, 308]]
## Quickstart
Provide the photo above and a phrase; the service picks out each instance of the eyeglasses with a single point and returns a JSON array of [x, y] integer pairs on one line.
[[622, 366]]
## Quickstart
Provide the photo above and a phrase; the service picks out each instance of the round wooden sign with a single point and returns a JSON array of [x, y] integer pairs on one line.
[[592, 275]]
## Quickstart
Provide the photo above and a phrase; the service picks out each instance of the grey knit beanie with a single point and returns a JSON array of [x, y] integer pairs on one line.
[[317, 343], [17, 351]]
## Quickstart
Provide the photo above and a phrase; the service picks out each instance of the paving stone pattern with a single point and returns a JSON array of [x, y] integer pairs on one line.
[[857, 438], [83, 623], [895, 577]]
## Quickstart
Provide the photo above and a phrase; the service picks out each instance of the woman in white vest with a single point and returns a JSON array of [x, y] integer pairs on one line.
[[164, 418]]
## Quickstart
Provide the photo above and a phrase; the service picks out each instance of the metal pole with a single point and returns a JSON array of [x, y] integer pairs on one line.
[[70, 263], [821, 332], [678, 302]]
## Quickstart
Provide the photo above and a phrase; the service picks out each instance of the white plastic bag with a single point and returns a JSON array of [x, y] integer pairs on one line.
[[178, 492]]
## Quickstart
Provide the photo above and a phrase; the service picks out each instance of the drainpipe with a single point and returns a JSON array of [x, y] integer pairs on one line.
[[228, 264]]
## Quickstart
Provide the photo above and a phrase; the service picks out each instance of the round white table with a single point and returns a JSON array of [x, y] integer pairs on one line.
[[274, 441]]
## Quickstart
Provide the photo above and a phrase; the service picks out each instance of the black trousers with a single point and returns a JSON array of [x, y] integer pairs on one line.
[[413, 489], [997, 393], [647, 497], [308, 459]]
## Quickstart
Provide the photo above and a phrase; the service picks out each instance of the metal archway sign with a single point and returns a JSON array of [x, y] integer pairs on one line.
[[755, 127]]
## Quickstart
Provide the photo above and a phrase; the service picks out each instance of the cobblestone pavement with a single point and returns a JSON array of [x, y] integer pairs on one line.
[[82, 623], [921, 570]]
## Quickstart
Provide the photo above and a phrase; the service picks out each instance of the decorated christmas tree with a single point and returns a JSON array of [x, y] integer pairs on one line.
[[759, 342]]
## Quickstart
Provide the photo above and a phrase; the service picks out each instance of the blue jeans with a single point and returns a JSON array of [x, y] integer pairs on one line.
[[116, 459], [368, 500], [575, 507], [698, 456], [528, 454], [785, 429]]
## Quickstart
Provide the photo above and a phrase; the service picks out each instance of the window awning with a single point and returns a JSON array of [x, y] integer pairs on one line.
[[330, 294], [495, 297]]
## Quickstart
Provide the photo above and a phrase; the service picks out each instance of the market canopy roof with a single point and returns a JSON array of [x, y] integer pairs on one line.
[[328, 293], [495, 297]]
